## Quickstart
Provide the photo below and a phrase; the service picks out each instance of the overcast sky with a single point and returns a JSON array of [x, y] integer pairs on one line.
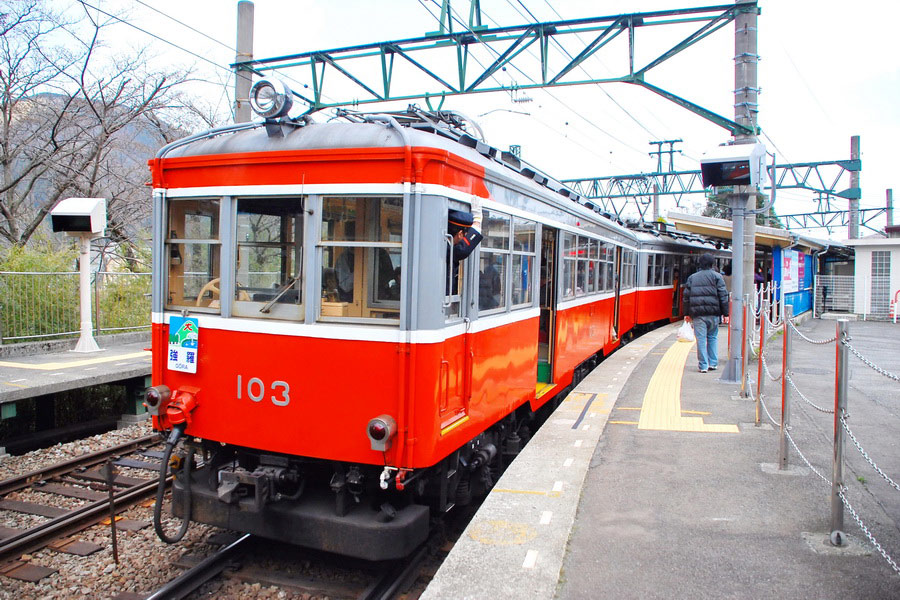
[[828, 70]]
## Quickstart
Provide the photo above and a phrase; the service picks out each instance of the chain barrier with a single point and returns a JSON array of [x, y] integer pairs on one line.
[[827, 411], [869, 363], [808, 464], [811, 341], [768, 414], [766, 367], [866, 531], [842, 491], [866, 455]]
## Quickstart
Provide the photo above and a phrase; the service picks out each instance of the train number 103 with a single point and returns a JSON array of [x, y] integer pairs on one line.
[[256, 390]]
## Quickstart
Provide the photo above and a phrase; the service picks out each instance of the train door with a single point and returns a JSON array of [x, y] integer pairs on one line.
[[549, 263], [614, 334]]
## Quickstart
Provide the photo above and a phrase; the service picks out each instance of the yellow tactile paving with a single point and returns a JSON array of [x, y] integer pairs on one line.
[[54, 366], [661, 409]]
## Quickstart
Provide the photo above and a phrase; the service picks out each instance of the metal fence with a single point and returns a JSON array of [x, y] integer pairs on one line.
[[834, 293], [39, 305], [839, 293]]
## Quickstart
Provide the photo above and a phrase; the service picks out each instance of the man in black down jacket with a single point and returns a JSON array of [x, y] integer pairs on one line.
[[705, 300]]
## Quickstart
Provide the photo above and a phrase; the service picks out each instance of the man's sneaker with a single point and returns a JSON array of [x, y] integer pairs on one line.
[[712, 368], [703, 370]]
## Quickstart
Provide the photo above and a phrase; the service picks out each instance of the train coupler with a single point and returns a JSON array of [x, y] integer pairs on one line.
[[253, 490]]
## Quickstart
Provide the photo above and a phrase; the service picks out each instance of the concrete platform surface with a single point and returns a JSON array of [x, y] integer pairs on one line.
[[47, 373], [652, 480]]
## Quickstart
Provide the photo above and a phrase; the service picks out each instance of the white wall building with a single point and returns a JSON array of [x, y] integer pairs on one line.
[[876, 274]]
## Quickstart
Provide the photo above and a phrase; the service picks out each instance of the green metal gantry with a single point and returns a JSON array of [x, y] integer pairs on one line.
[[446, 59]]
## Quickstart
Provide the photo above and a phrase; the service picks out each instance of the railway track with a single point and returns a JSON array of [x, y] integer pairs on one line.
[[81, 478], [243, 560]]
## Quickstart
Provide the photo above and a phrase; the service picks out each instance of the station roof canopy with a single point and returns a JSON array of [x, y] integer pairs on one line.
[[765, 236]]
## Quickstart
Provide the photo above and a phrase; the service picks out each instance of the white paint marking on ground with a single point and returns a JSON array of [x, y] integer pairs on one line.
[[545, 517], [17, 380], [558, 486], [578, 443], [60, 373], [568, 462], [91, 369], [586, 427], [530, 559]]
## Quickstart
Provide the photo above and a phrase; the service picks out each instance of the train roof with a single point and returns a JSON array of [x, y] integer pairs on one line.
[[443, 130]]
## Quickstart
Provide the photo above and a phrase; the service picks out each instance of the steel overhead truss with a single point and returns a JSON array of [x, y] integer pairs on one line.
[[832, 218], [451, 68], [613, 193]]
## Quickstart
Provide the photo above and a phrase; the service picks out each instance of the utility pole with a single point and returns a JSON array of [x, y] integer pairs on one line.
[[743, 198], [242, 75], [853, 222], [658, 153], [889, 206]]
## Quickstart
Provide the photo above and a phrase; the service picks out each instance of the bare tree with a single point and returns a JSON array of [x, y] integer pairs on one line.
[[74, 123]]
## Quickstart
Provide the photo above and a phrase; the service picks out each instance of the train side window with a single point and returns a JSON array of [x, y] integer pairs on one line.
[[650, 258], [494, 261], [269, 258], [593, 258], [360, 258], [628, 269], [524, 251], [609, 265], [193, 252], [570, 257], [658, 269]]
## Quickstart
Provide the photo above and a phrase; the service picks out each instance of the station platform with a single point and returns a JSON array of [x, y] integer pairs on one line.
[[52, 369], [653, 480]]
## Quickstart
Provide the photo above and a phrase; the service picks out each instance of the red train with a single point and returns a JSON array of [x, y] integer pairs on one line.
[[310, 344]]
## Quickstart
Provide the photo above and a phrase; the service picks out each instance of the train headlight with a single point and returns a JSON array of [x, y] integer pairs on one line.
[[271, 98], [156, 396], [381, 431]]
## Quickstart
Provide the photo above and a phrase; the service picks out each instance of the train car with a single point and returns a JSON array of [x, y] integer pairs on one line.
[[665, 260], [312, 341]]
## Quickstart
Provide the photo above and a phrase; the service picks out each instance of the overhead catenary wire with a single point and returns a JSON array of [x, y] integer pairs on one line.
[[185, 25], [154, 36], [552, 129], [454, 15], [583, 69]]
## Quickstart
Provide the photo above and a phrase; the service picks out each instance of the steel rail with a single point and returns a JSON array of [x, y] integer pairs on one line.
[[73, 521], [193, 578], [389, 585], [14, 484]]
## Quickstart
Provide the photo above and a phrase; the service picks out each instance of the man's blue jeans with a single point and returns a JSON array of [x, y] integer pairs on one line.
[[706, 329]]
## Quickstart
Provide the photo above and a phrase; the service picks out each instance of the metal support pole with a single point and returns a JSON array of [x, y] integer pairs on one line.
[[889, 206], [110, 480], [745, 345], [86, 342], [842, 375], [242, 75], [853, 217], [760, 370], [785, 390]]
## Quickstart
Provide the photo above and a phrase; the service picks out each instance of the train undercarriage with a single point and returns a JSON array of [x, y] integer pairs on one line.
[[365, 511]]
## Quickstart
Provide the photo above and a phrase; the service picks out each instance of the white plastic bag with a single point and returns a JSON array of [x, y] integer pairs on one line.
[[686, 333]]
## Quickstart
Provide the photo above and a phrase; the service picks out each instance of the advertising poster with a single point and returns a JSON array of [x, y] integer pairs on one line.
[[789, 271]]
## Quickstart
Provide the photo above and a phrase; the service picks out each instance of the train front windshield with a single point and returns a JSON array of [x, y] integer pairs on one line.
[[356, 244]]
